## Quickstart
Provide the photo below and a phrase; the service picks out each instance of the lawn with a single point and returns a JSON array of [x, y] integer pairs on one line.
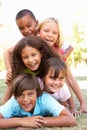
[[81, 120]]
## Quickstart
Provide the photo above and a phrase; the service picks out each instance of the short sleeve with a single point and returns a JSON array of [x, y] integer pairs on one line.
[[10, 108], [51, 106]]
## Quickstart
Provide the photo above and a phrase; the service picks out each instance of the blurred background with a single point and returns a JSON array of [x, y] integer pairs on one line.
[[72, 15]]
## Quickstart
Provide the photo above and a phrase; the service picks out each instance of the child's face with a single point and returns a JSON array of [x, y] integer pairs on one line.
[[31, 57], [27, 100], [49, 32], [26, 25], [52, 84]]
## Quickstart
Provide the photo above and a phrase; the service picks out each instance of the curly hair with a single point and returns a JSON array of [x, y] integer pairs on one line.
[[31, 41]]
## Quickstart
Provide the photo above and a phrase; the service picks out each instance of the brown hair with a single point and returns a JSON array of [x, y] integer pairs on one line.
[[25, 82]]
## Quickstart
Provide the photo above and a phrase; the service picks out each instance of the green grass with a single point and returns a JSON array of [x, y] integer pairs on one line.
[[81, 120]]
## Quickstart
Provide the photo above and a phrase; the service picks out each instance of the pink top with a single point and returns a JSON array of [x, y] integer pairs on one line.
[[59, 50]]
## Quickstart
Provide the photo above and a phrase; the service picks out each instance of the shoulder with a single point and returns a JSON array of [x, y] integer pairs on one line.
[[9, 108]]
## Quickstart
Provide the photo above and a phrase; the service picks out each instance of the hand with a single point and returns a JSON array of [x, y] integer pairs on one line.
[[8, 76], [32, 122], [75, 113]]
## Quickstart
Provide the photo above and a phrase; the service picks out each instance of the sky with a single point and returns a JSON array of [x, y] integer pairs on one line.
[[65, 11]]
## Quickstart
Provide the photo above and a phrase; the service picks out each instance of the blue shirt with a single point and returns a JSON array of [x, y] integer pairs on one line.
[[46, 105]]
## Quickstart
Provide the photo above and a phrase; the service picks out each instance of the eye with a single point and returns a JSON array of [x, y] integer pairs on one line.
[[45, 30], [34, 54], [55, 33], [21, 96], [24, 57], [29, 25], [52, 77], [61, 78], [21, 28]]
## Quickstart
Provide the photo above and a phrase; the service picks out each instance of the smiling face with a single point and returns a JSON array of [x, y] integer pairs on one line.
[[27, 100], [52, 84], [49, 32], [31, 57], [26, 25]]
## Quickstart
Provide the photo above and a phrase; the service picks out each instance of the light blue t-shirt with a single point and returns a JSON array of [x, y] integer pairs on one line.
[[46, 105]]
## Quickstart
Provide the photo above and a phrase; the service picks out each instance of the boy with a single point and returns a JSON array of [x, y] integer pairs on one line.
[[31, 108]]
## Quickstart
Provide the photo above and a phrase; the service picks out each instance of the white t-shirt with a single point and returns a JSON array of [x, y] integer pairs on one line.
[[63, 94]]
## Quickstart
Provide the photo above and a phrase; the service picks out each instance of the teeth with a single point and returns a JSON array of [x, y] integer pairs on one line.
[[33, 64]]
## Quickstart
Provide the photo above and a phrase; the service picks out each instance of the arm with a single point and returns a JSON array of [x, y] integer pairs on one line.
[[73, 109], [7, 57], [29, 122], [64, 119], [67, 52]]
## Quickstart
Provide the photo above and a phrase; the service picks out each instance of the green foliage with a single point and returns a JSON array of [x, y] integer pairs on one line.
[[79, 38]]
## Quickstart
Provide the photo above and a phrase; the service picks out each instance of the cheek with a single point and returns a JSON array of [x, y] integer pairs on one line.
[[25, 62], [47, 81], [34, 99], [62, 83]]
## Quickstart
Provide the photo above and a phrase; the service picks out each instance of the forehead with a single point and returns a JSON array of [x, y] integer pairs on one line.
[[50, 24], [25, 19], [29, 49]]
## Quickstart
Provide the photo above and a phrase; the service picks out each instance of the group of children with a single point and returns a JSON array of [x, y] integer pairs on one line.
[[39, 78]]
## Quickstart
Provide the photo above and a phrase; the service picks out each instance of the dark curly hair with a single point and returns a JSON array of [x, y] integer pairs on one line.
[[31, 41]]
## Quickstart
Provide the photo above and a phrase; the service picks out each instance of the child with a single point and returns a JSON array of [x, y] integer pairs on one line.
[[28, 56], [32, 109], [27, 24], [49, 31], [53, 75]]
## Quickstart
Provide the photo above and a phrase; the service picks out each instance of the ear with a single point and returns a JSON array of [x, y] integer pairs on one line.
[[37, 24]]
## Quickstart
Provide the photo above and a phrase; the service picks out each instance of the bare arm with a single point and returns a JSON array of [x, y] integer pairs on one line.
[[64, 119], [67, 52], [7, 56], [29, 122]]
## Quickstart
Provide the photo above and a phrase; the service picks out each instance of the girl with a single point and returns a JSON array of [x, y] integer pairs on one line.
[[53, 75], [49, 31], [28, 56], [32, 109]]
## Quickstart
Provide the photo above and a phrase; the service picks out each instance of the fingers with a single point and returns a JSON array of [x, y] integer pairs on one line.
[[39, 121], [76, 113]]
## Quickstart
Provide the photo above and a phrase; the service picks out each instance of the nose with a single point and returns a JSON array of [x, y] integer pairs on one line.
[[27, 31], [30, 59], [57, 81], [50, 34], [25, 98]]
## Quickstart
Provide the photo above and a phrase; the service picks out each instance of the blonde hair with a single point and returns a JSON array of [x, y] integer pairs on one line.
[[60, 40]]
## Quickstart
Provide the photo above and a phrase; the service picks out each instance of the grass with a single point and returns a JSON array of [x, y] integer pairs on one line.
[[81, 120]]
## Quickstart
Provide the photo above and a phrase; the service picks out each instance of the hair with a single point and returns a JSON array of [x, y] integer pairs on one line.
[[30, 41], [60, 40], [25, 82], [24, 12], [55, 64]]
